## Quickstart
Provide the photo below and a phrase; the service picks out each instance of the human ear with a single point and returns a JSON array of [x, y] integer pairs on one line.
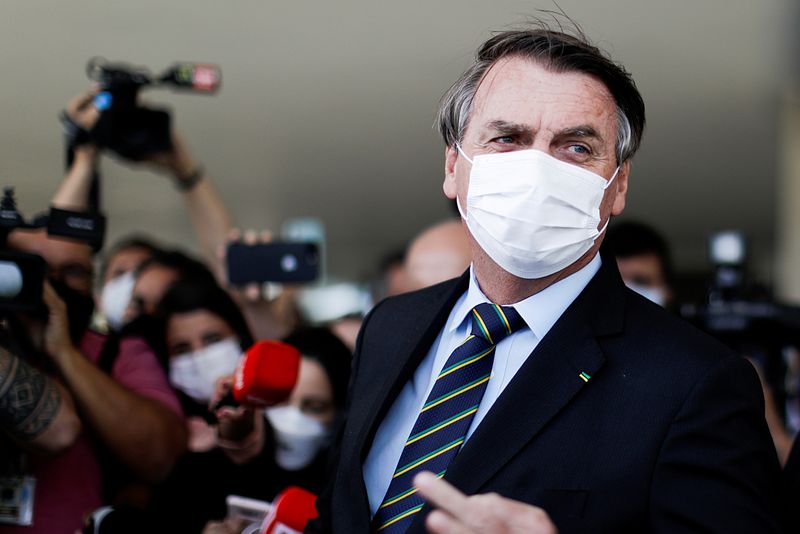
[[449, 185], [622, 189]]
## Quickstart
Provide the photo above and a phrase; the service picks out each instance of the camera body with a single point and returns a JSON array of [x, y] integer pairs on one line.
[[124, 127], [21, 275], [745, 317]]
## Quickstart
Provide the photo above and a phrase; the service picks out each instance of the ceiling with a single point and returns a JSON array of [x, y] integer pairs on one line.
[[326, 109]]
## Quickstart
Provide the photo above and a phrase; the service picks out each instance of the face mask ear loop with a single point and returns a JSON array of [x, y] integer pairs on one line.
[[613, 177], [461, 151], [460, 211], [458, 204]]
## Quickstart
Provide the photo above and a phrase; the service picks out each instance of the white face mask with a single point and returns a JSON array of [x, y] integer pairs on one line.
[[196, 373], [653, 294], [531, 213], [298, 437], [115, 297]]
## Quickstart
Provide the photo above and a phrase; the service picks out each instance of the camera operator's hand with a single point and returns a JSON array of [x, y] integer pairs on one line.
[[73, 192], [57, 342], [82, 110], [179, 162]]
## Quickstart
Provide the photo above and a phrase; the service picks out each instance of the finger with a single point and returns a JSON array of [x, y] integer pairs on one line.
[[80, 102], [234, 234], [250, 237], [441, 494], [229, 412], [50, 297], [221, 388], [252, 292], [266, 236], [440, 522], [89, 117]]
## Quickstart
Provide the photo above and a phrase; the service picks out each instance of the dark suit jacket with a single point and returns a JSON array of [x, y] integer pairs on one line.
[[667, 436]]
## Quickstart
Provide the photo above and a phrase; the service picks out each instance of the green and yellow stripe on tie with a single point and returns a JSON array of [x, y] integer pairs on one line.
[[407, 493], [401, 515], [456, 366], [503, 317], [447, 422], [482, 326], [456, 392], [433, 454]]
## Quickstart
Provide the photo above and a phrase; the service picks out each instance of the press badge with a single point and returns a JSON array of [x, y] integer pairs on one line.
[[16, 500]]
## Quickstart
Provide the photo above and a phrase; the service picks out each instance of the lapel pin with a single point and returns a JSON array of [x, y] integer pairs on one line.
[[585, 377]]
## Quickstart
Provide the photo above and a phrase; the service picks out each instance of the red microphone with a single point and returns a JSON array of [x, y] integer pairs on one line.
[[265, 376], [291, 511]]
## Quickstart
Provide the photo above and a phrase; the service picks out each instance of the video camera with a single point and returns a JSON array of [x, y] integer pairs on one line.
[[22, 275], [124, 127], [736, 308], [744, 316]]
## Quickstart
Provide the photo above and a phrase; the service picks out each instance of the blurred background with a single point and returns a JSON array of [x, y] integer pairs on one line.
[[326, 109]]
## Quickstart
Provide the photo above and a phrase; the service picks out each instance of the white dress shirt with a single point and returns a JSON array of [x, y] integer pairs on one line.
[[540, 312]]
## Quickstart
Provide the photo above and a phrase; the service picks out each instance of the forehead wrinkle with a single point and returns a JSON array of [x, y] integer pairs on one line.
[[479, 96], [583, 82]]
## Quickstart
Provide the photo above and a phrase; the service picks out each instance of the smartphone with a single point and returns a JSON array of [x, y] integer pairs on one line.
[[272, 262], [246, 508]]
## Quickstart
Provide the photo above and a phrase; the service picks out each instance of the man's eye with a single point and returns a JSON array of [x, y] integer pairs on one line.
[[579, 149], [504, 140]]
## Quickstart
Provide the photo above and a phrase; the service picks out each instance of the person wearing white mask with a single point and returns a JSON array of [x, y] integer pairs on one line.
[[118, 276], [643, 260], [247, 453], [204, 335], [303, 425], [536, 393]]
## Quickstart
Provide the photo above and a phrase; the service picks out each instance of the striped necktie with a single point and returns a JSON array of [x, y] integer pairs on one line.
[[444, 419]]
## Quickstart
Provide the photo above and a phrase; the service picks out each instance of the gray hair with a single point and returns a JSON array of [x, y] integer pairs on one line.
[[559, 52]]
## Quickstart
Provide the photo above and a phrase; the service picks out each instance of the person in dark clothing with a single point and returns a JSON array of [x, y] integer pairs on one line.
[[241, 455]]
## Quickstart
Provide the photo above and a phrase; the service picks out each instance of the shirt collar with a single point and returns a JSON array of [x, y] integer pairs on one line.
[[541, 310]]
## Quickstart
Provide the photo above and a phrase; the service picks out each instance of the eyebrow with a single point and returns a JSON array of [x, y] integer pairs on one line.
[[510, 127], [515, 128], [583, 130]]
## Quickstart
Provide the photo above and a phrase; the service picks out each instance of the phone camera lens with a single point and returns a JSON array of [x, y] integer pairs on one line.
[[289, 263]]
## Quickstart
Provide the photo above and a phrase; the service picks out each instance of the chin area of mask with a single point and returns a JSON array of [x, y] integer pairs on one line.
[[298, 437], [115, 298], [196, 373]]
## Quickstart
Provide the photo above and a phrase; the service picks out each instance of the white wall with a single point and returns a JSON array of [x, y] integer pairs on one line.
[[326, 108]]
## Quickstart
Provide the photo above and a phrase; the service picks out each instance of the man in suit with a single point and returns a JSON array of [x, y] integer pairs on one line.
[[538, 391]]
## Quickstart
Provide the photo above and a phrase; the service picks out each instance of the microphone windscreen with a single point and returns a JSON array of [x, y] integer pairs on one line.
[[291, 511], [266, 374]]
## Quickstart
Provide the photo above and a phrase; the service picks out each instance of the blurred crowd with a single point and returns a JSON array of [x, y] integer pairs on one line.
[[110, 395]]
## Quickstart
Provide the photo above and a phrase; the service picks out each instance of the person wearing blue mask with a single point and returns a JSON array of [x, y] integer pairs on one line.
[[536, 393]]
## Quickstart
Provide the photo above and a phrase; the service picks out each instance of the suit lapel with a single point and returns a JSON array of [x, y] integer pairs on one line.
[[403, 354], [544, 385]]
